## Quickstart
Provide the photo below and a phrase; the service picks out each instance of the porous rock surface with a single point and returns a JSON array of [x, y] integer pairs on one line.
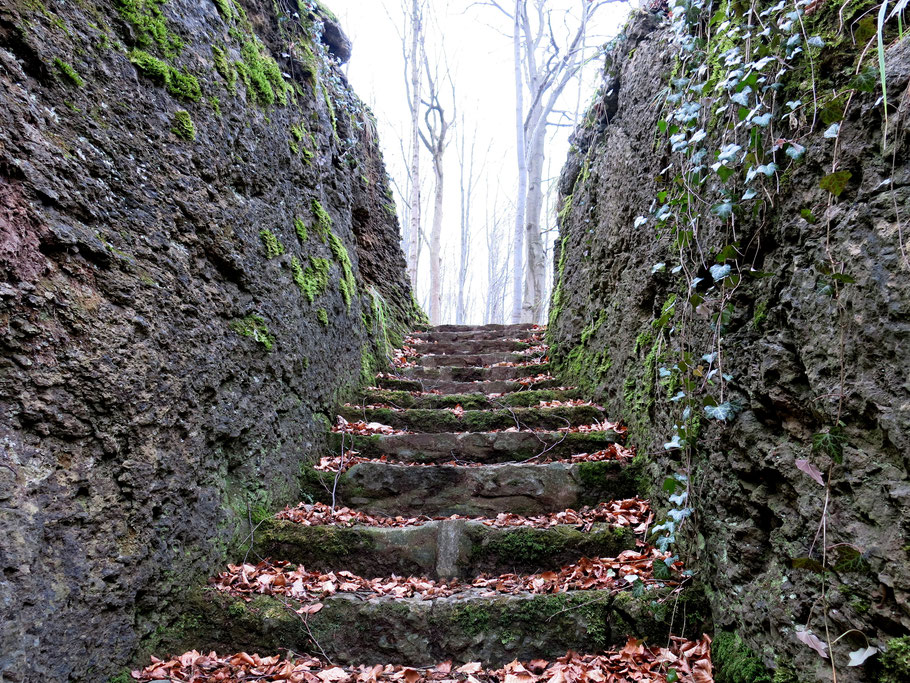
[[162, 375], [756, 513]]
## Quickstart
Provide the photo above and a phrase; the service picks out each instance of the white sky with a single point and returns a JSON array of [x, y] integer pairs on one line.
[[478, 46]]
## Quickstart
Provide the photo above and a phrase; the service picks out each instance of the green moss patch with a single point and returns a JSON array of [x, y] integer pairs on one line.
[[313, 281], [254, 327], [183, 126], [735, 662], [273, 246], [68, 72], [895, 661], [179, 84], [149, 25], [260, 74]]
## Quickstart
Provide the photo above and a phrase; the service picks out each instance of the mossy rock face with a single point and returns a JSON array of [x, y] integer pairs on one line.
[[895, 661], [735, 662]]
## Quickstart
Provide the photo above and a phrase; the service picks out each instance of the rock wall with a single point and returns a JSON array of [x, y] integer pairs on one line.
[[742, 325], [200, 256]]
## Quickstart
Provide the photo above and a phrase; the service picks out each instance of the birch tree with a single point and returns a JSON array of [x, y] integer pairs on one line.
[[414, 51], [435, 137], [469, 176], [549, 50]]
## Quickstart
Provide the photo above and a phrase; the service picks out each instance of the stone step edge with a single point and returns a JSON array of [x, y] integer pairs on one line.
[[451, 548], [468, 628], [406, 400], [474, 447], [441, 420]]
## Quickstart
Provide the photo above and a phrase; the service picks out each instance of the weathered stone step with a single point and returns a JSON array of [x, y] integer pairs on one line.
[[379, 488], [485, 335], [448, 388], [438, 549], [470, 360], [473, 374], [470, 401], [467, 627], [436, 421], [505, 329], [472, 346], [482, 447]]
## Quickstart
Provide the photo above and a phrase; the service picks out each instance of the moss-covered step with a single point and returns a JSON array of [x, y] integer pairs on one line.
[[492, 328], [448, 388], [483, 447], [475, 335], [439, 548], [469, 401], [468, 360], [386, 489], [435, 421], [470, 626], [464, 346], [428, 375]]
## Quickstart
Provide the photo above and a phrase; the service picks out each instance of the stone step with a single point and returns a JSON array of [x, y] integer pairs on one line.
[[448, 388], [471, 346], [505, 329], [473, 374], [477, 335], [451, 548], [380, 488], [482, 447], [467, 627], [470, 401], [436, 421], [469, 360]]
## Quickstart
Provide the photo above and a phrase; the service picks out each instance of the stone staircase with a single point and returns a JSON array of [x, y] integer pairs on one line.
[[432, 470]]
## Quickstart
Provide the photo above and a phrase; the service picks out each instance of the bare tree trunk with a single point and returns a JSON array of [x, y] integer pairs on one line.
[[414, 170], [436, 245], [535, 267], [518, 240]]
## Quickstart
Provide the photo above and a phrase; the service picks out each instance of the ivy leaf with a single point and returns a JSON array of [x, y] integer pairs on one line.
[[722, 210], [721, 412], [719, 272], [661, 570], [762, 120], [658, 267], [749, 194], [679, 498], [795, 151], [675, 442], [836, 182], [742, 97], [640, 221], [723, 171], [857, 657], [816, 41], [833, 130], [728, 153], [810, 469]]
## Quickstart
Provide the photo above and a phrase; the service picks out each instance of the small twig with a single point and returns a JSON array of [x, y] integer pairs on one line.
[[308, 630]]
